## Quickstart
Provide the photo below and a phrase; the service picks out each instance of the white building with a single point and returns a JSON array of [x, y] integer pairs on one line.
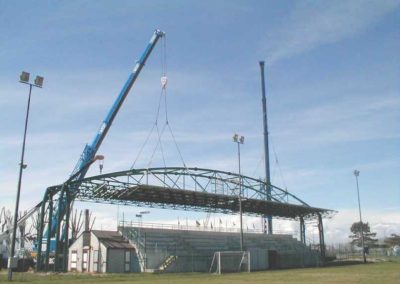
[[102, 251]]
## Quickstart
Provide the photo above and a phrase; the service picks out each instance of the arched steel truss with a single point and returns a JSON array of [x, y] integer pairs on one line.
[[111, 187], [197, 179], [197, 189]]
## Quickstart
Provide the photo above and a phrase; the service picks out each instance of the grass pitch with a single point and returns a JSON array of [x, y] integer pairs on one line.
[[385, 272]]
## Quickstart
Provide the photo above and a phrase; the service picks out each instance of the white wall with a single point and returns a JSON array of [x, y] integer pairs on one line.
[[101, 259], [76, 246]]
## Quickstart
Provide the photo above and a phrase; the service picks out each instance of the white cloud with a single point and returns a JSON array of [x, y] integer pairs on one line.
[[346, 120], [314, 23]]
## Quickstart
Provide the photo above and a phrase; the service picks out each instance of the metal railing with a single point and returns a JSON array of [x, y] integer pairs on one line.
[[186, 227]]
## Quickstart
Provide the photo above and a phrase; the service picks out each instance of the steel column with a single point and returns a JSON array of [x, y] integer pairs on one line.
[[66, 230], [266, 147], [321, 238], [49, 233], [40, 233], [58, 227], [302, 230]]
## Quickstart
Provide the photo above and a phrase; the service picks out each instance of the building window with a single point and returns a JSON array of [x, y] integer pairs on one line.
[[85, 260], [74, 259]]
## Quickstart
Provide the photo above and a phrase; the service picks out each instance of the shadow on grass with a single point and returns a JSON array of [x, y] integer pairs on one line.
[[344, 263]]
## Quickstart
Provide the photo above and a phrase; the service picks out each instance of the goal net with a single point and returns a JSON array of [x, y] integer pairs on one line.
[[230, 261]]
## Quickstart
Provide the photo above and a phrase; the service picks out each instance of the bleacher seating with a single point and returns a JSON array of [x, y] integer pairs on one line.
[[192, 250]]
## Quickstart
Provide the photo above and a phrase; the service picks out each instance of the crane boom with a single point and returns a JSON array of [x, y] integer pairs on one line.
[[90, 150]]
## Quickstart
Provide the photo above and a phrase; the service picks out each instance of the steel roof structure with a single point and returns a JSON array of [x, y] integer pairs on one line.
[[182, 188], [192, 189]]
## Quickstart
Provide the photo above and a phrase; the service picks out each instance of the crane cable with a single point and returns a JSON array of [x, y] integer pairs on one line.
[[258, 165], [155, 126], [280, 169], [163, 94], [164, 81], [274, 173]]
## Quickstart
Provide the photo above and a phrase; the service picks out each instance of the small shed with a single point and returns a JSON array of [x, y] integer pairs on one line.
[[102, 251]]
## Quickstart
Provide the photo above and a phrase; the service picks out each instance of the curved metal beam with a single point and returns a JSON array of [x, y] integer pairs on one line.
[[183, 188], [199, 178]]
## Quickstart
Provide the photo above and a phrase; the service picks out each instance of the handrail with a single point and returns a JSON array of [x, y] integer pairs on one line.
[[219, 229]]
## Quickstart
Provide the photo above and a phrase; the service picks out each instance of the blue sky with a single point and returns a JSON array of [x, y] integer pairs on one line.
[[332, 75]]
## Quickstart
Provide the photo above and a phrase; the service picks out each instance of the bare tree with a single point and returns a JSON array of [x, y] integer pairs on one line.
[[77, 221], [76, 224]]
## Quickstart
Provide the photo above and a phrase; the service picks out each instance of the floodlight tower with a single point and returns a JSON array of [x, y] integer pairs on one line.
[[141, 213], [356, 174], [23, 78], [240, 140]]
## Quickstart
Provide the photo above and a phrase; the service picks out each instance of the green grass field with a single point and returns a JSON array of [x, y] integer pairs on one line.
[[384, 272]]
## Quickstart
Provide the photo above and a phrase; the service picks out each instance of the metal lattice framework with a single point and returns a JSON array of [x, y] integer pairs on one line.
[[194, 189]]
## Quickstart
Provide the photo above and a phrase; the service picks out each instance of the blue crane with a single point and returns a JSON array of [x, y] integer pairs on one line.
[[88, 155], [89, 152]]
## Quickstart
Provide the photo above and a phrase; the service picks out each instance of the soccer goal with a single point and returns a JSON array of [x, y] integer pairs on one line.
[[230, 261]]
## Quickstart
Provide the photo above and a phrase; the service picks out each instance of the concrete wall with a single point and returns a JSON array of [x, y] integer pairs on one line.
[[258, 259], [292, 259], [117, 263], [116, 260]]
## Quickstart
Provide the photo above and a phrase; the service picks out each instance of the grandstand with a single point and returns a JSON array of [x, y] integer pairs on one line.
[[163, 248]]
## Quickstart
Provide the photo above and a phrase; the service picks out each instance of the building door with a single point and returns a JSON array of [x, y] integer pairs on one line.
[[74, 258], [127, 264], [96, 261], [273, 259], [85, 260]]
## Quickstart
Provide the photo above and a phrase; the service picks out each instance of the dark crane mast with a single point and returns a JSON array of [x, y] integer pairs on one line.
[[266, 146]]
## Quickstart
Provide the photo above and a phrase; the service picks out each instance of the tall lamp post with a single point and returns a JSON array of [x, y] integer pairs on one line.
[[24, 78], [140, 217], [240, 140], [356, 174]]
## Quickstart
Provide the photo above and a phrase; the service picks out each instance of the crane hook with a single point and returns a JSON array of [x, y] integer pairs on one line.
[[164, 81]]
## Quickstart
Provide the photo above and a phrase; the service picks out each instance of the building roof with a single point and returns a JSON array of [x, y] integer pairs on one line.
[[112, 239]]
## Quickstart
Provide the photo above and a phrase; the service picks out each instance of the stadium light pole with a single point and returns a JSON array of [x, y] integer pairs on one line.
[[140, 215], [356, 174], [240, 140], [145, 251], [23, 78]]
